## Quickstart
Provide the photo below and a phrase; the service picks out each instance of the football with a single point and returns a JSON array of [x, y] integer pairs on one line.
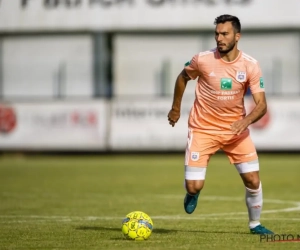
[[137, 225]]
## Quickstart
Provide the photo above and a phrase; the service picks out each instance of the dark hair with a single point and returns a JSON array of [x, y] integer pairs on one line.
[[229, 18]]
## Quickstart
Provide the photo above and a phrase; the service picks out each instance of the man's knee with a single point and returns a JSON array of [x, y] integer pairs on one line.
[[194, 179], [251, 180], [194, 186], [249, 172]]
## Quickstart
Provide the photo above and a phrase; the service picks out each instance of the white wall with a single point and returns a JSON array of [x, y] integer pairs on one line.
[[148, 65], [139, 59], [44, 66]]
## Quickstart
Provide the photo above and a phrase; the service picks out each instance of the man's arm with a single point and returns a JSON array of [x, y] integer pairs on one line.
[[260, 108], [179, 89], [258, 112]]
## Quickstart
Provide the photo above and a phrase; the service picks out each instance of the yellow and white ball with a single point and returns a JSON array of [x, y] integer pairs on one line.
[[137, 225]]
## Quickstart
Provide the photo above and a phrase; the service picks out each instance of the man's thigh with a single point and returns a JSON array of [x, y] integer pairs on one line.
[[240, 148], [200, 147]]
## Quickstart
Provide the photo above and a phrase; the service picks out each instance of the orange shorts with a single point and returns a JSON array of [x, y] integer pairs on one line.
[[201, 146]]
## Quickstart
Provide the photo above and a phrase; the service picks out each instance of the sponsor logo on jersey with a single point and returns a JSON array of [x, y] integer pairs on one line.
[[226, 83]]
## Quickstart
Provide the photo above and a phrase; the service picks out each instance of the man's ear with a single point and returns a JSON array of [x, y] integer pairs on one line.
[[237, 37]]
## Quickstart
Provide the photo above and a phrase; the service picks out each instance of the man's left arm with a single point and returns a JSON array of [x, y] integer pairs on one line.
[[257, 113], [260, 108], [256, 85]]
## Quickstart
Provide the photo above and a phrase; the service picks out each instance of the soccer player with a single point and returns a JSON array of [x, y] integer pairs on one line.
[[217, 118]]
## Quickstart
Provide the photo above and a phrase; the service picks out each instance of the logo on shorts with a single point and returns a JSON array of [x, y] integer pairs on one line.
[[240, 76], [195, 156]]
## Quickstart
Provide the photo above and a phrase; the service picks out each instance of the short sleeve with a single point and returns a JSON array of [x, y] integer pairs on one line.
[[192, 68], [256, 81]]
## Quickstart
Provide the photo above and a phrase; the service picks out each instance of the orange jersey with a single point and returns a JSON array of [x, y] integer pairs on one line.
[[220, 90]]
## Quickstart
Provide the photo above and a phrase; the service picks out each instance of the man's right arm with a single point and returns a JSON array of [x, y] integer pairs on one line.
[[179, 89]]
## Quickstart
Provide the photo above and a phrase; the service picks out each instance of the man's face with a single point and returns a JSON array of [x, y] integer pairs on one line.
[[226, 37]]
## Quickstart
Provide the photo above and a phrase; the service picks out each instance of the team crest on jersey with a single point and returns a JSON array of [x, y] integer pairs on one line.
[[195, 156], [241, 76]]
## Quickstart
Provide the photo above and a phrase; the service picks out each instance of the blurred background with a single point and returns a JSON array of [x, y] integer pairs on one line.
[[98, 75]]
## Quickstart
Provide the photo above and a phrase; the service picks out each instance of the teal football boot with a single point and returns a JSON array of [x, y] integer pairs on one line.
[[260, 230], [190, 202]]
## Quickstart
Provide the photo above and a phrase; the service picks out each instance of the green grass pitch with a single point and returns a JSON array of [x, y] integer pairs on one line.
[[78, 202]]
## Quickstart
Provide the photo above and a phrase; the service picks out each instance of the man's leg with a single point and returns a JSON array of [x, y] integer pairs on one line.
[[249, 172], [194, 182], [198, 151], [241, 151]]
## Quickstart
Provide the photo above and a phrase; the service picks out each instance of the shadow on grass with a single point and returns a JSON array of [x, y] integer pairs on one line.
[[158, 230]]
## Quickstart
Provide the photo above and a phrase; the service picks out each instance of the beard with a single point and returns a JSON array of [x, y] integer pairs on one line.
[[228, 48]]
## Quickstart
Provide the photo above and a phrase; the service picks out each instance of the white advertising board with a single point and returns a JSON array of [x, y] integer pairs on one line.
[[129, 125], [140, 125], [32, 15], [143, 125], [53, 126], [278, 129]]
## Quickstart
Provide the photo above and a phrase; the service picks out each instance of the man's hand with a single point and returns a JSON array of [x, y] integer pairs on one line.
[[173, 116], [240, 126], [180, 86], [258, 112]]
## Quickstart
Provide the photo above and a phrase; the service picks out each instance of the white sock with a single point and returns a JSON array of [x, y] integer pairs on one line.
[[254, 202]]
